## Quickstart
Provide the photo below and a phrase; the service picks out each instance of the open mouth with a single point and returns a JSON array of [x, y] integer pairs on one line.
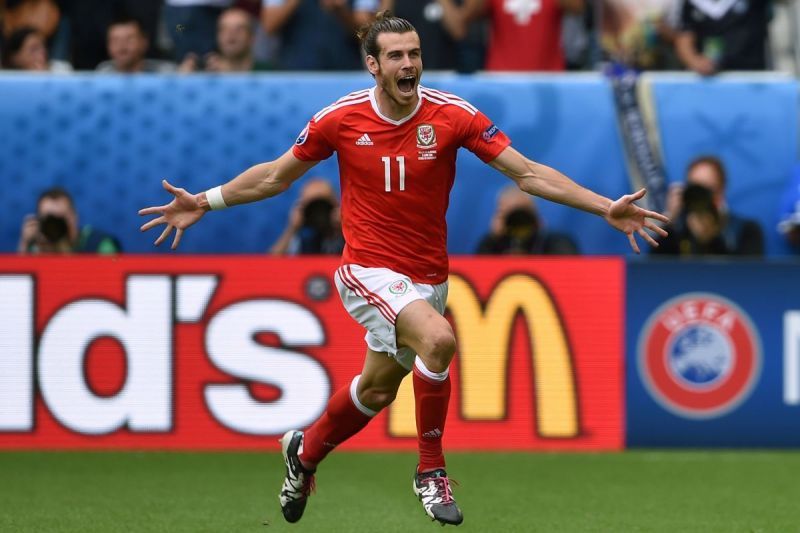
[[406, 84]]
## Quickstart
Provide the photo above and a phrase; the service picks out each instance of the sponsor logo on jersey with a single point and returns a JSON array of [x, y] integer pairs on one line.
[[490, 132], [426, 136], [303, 136], [398, 287], [364, 140], [699, 355]]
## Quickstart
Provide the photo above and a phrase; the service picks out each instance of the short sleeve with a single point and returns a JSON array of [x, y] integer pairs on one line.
[[312, 144], [483, 138]]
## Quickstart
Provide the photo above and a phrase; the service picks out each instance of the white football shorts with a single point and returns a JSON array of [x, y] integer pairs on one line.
[[375, 296]]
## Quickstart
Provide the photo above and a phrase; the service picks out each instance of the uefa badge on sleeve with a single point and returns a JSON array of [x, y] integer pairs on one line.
[[699, 356], [301, 138]]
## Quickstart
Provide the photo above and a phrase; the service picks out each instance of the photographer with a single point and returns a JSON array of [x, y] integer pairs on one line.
[[698, 230], [697, 227], [55, 230], [314, 227], [518, 229]]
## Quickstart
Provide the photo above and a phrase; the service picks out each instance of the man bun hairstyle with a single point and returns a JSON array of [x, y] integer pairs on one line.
[[384, 22]]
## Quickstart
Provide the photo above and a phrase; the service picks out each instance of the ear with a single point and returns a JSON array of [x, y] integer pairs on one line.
[[372, 65]]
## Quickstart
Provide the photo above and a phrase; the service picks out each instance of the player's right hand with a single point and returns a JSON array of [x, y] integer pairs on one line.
[[183, 211]]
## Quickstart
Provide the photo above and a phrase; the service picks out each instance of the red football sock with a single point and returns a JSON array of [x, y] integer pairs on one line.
[[341, 420], [432, 395]]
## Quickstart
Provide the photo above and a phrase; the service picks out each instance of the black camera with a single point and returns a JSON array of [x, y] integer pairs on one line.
[[521, 223], [53, 227], [699, 199], [317, 214]]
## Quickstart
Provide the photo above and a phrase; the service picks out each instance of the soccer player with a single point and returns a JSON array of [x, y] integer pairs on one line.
[[396, 144]]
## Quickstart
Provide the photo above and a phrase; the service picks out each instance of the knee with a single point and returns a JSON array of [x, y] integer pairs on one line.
[[376, 397], [439, 349]]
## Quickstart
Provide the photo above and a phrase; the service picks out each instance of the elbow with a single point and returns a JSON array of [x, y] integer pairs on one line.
[[271, 186], [531, 180], [527, 186], [270, 183]]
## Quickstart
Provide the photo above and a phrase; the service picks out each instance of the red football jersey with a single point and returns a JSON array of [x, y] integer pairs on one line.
[[396, 175], [525, 35]]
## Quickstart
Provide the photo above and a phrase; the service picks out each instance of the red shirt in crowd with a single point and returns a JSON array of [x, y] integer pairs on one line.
[[396, 175], [525, 35]]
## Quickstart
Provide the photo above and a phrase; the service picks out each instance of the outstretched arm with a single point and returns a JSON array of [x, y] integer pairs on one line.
[[256, 183], [541, 180]]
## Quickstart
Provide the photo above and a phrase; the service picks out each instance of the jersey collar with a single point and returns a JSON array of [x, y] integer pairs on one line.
[[374, 102]]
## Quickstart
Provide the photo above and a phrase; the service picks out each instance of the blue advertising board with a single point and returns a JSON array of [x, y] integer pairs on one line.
[[111, 139], [712, 354]]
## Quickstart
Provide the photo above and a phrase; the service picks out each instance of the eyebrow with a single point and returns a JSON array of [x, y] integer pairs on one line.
[[400, 51]]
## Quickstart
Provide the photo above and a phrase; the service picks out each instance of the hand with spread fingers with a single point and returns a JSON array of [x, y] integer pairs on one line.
[[183, 211], [629, 218]]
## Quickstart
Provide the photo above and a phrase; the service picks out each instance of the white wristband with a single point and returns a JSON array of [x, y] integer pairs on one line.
[[215, 199]]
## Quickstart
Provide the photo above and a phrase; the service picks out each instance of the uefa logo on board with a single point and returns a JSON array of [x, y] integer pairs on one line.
[[699, 355]]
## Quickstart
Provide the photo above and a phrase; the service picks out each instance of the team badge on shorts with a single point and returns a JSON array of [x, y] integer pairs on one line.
[[426, 136], [398, 287], [699, 355]]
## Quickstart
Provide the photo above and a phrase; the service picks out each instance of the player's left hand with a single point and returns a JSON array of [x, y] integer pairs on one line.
[[629, 218], [183, 211]]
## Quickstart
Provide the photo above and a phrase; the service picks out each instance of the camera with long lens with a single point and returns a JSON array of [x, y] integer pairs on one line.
[[521, 223], [317, 214], [53, 227], [700, 200]]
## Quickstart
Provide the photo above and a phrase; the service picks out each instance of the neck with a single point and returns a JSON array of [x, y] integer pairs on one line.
[[240, 64], [391, 108], [136, 66]]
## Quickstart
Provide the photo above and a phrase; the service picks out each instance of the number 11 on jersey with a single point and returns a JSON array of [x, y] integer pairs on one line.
[[387, 171]]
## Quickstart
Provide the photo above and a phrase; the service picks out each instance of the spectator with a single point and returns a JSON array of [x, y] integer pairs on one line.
[[55, 229], [235, 39], [26, 50], [789, 226], [640, 34], [265, 46], [317, 34], [43, 15], [699, 231], [87, 23], [702, 223], [314, 225], [127, 45], [192, 25], [517, 228], [439, 26], [524, 36], [718, 36]]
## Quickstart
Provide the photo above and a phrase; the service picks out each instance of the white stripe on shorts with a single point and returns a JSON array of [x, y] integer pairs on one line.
[[352, 283]]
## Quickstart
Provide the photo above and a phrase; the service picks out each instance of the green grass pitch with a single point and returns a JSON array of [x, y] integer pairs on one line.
[[669, 491]]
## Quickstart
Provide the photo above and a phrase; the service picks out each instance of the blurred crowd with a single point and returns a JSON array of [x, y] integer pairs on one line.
[[186, 36], [705, 36]]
